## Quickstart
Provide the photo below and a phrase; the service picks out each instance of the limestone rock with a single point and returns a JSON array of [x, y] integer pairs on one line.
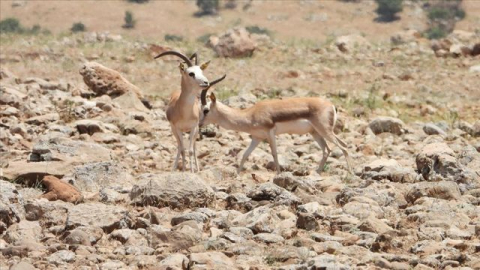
[[387, 124], [235, 43], [446, 190], [178, 190], [349, 43], [438, 159], [105, 81], [210, 260], [107, 217], [11, 205]]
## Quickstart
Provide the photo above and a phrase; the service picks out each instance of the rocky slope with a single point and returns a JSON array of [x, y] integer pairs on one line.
[[86, 179]]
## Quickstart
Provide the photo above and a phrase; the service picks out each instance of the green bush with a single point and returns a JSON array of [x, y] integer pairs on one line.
[[129, 20], [169, 37], [208, 7], [445, 13], [204, 38], [387, 9], [254, 29], [78, 27], [10, 25], [436, 32]]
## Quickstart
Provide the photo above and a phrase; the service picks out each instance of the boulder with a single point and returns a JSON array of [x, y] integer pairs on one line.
[[68, 150], [93, 177], [350, 43], [210, 260], [106, 217], [235, 43], [60, 190], [182, 236], [174, 261], [11, 205], [404, 37], [446, 190], [437, 159], [374, 225], [178, 190], [271, 192], [89, 126], [432, 129], [387, 124], [388, 169], [105, 81]]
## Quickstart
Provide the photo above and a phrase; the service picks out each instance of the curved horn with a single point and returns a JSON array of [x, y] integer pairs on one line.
[[184, 58], [203, 96], [194, 55]]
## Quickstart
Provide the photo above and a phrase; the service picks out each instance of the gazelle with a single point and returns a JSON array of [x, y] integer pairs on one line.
[[183, 109], [268, 118]]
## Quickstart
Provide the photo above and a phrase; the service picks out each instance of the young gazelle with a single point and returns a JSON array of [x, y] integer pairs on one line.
[[183, 109], [268, 118]]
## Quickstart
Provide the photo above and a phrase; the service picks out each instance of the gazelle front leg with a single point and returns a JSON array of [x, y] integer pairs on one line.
[[191, 150], [273, 148], [247, 153], [180, 149]]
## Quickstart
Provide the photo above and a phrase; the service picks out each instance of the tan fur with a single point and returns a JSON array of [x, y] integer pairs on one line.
[[267, 118]]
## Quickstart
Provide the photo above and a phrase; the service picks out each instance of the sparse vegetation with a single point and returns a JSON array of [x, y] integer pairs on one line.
[[10, 25], [435, 32], [175, 38], [443, 15], [129, 20], [254, 29], [207, 7], [13, 25], [387, 9], [204, 38], [138, 1], [78, 27]]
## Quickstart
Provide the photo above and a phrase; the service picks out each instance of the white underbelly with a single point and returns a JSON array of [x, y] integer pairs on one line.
[[300, 126]]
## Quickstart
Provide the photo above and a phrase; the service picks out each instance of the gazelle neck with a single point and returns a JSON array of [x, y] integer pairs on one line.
[[231, 118], [189, 91]]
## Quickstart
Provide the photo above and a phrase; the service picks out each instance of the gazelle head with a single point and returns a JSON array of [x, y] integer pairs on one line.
[[192, 74], [209, 111]]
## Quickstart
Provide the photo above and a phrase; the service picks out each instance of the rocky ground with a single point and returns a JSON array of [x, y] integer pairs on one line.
[[85, 166]]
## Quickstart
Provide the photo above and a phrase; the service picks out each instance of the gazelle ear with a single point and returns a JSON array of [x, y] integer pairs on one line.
[[204, 65], [213, 98], [182, 66]]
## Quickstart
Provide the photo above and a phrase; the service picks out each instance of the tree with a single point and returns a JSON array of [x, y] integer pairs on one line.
[[387, 9]]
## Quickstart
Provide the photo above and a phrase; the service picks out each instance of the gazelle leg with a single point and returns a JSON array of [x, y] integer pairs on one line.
[[325, 150], [331, 137], [193, 136], [195, 154], [273, 147], [253, 144], [180, 149]]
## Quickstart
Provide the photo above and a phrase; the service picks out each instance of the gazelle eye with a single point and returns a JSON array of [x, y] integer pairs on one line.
[[205, 111], [191, 74]]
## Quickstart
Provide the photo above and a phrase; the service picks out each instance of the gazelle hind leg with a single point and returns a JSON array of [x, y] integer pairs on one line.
[[325, 150], [273, 148], [331, 137], [253, 144]]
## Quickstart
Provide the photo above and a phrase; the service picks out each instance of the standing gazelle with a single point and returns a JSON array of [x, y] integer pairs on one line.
[[183, 110], [268, 118]]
